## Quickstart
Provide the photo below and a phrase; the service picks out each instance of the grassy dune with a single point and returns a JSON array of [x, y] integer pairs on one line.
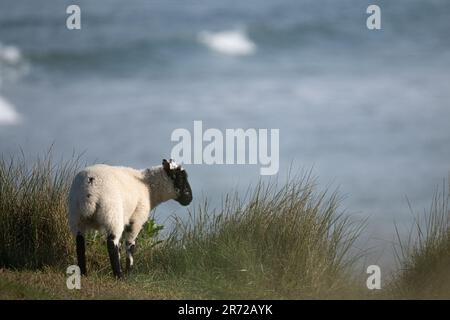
[[287, 241]]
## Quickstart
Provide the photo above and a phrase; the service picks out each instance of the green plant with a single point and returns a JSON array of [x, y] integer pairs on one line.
[[148, 236]]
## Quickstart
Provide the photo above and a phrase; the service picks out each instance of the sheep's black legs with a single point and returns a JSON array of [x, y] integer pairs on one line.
[[81, 253], [130, 251], [113, 250]]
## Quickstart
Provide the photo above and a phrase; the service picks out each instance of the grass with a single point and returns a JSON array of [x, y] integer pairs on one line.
[[33, 209], [288, 241], [48, 283], [424, 257]]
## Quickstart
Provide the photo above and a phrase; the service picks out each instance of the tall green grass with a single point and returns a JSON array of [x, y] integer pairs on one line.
[[287, 242], [33, 208], [424, 257]]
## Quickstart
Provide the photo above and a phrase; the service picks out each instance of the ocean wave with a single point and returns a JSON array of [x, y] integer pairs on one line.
[[8, 114], [12, 63], [232, 42], [10, 55], [11, 67]]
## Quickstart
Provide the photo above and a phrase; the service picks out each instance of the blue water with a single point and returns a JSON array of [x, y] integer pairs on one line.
[[368, 110]]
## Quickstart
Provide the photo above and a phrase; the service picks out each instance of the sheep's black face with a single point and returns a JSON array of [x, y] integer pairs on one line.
[[180, 181], [182, 187]]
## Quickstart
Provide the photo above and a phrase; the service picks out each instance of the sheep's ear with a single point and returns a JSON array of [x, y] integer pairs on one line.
[[166, 165]]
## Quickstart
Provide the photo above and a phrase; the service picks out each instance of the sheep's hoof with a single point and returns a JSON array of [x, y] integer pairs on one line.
[[129, 268]]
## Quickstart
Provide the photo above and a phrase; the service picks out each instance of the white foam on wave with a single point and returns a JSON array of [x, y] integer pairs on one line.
[[234, 42], [11, 66], [10, 54], [8, 115], [12, 63]]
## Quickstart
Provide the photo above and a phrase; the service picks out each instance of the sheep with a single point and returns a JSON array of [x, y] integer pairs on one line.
[[117, 199]]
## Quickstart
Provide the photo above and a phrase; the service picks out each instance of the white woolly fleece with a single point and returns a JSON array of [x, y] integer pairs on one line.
[[104, 197]]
